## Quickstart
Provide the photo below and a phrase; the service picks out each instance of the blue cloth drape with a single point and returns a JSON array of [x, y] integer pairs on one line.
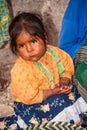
[[73, 32]]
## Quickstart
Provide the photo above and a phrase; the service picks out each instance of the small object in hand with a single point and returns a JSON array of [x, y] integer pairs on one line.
[[3, 84]]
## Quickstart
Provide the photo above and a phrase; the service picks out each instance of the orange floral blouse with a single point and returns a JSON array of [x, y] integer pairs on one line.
[[28, 81]]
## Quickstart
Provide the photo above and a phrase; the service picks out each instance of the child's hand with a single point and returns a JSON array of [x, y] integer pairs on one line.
[[64, 81], [62, 89], [57, 90]]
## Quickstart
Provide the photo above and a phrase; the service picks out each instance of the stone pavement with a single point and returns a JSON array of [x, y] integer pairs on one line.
[[7, 60]]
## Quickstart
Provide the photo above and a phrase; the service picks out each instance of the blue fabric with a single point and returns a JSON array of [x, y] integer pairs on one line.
[[57, 104], [74, 27]]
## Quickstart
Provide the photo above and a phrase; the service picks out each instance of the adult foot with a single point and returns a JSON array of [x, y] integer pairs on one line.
[[3, 84]]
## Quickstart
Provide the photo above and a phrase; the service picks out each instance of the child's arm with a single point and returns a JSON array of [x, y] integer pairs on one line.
[[67, 62], [56, 90]]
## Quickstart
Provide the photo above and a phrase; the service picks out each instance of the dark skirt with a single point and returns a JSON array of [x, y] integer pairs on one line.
[[69, 108]]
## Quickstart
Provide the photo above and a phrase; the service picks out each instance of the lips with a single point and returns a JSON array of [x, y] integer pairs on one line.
[[33, 58]]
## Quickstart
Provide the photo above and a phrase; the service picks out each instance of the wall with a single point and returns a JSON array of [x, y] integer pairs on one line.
[[52, 12]]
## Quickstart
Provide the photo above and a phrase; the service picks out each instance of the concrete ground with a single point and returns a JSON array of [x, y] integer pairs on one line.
[[7, 60]]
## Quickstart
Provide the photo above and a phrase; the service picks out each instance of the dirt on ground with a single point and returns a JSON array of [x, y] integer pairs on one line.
[[7, 60]]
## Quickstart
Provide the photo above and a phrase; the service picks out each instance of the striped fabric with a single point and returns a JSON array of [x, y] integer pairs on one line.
[[81, 57], [4, 22], [82, 54], [81, 90], [56, 126]]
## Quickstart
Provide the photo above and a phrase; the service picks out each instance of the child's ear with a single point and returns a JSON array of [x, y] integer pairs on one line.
[[16, 50], [46, 37]]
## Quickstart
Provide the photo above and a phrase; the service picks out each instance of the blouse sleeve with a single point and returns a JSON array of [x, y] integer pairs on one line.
[[67, 62]]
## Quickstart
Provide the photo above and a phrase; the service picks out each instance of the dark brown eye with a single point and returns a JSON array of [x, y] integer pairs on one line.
[[33, 41], [21, 46]]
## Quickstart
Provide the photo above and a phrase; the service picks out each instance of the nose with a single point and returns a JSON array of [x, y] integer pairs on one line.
[[28, 47]]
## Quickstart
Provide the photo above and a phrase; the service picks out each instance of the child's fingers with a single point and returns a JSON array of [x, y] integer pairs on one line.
[[68, 89], [65, 89]]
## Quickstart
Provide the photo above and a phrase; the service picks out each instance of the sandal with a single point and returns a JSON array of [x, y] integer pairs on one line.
[[3, 84]]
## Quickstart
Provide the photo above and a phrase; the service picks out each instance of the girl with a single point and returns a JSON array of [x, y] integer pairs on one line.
[[41, 78]]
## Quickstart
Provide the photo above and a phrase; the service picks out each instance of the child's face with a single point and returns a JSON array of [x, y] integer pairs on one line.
[[30, 47]]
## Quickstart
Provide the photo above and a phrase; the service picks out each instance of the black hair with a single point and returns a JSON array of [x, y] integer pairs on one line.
[[29, 22]]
